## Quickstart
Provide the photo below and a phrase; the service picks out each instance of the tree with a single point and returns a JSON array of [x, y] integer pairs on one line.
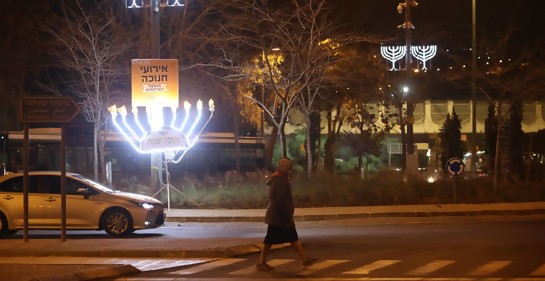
[[506, 72], [451, 138], [491, 131], [90, 48], [516, 140], [353, 95], [22, 61]]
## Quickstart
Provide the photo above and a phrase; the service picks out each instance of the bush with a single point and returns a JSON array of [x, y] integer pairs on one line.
[[386, 187]]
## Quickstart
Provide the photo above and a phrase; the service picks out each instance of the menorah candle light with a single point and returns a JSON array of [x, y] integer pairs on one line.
[[155, 134]]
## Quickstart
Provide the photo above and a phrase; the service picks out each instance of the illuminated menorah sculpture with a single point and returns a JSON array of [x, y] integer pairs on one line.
[[393, 54], [157, 133], [424, 53], [421, 53]]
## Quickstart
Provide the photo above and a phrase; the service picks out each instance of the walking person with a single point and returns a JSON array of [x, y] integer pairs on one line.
[[279, 217]]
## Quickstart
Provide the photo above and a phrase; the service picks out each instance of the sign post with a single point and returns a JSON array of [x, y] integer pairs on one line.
[[455, 167], [46, 110]]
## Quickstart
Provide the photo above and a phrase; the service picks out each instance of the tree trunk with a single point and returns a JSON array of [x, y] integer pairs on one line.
[[330, 148], [283, 139], [101, 162], [269, 147], [95, 151], [309, 147], [496, 159], [236, 126]]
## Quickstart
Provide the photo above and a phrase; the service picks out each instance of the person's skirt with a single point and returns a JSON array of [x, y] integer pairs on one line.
[[280, 235]]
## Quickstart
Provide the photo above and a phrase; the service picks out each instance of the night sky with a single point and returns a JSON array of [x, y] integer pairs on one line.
[[446, 19]]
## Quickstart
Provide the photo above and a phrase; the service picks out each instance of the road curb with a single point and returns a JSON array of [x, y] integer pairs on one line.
[[301, 218], [132, 253], [107, 272]]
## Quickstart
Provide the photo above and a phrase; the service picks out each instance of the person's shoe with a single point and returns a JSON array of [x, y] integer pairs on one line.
[[264, 267], [309, 261]]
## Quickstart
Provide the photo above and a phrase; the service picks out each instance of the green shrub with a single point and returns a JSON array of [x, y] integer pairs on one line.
[[386, 187]]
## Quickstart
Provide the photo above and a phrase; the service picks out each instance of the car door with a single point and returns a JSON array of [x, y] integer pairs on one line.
[[48, 187], [81, 211], [12, 200]]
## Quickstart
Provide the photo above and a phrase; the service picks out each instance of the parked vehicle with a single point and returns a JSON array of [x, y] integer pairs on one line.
[[89, 205]]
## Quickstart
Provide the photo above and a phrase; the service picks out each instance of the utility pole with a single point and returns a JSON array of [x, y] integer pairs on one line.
[[408, 145], [473, 167], [156, 158], [155, 53]]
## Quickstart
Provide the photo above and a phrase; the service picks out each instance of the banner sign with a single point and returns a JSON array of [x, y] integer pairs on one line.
[[155, 82]]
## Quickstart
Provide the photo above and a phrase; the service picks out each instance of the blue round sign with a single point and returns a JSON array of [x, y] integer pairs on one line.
[[455, 166]]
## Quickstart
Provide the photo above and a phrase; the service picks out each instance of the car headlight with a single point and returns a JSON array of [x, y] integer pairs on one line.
[[144, 205]]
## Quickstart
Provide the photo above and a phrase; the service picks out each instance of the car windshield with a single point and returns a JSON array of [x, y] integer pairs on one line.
[[94, 184]]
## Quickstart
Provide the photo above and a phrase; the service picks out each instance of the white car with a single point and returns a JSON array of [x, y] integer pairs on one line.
[[89, 205]]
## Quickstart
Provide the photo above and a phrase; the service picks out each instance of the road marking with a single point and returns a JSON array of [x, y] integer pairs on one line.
[[539, 271], [430, 267], [251, 269], [366, 269], [319, 266], [490, 268], [207, 266]]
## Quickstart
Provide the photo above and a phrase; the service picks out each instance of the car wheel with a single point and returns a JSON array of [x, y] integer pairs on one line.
[[4, 230], [117, 222]]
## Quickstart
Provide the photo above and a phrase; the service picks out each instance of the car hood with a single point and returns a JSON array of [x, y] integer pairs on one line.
[[136, 197]]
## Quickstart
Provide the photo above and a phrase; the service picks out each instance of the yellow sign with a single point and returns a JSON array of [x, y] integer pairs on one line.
[[155, 82]]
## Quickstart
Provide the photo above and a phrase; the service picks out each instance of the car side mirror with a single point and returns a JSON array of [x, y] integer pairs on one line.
[[84, 191]]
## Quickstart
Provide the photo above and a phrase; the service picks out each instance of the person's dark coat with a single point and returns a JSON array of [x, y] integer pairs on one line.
[[281, 207]]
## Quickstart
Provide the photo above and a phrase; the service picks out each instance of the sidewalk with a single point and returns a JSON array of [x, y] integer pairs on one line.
[[360, 212], [184, 248]]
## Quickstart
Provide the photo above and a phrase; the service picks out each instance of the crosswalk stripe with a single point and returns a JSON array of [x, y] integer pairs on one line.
[[366, 269], [430, 267], [207, 266], [539, 271], [319, 266], [250, 269], [490, 268]]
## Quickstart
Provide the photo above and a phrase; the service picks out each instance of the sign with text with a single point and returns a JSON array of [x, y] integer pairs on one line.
[[155, 82], [48, 109]]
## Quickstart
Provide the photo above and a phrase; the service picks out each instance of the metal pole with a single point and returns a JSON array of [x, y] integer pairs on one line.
[[155, 29], [262, 110], [25, 181], [155, 52], [408, 69], [63, 183], [473, 167]]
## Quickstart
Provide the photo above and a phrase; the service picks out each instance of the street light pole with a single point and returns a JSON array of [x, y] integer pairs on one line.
[[156, 159], [408, 144], [473, 167], [408, 68], [155, 50]]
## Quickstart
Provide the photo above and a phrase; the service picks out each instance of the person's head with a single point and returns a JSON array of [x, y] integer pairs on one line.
[[284, 165]]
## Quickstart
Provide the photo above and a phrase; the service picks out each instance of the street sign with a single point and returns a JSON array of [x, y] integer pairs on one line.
[[455, 166], [154, 82], [48, 109]]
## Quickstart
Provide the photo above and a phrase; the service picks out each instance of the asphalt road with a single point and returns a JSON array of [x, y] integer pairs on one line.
[[443, 250]]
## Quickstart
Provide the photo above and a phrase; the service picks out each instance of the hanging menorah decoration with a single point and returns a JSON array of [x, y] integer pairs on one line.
[[422, 53], [393, 54]]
